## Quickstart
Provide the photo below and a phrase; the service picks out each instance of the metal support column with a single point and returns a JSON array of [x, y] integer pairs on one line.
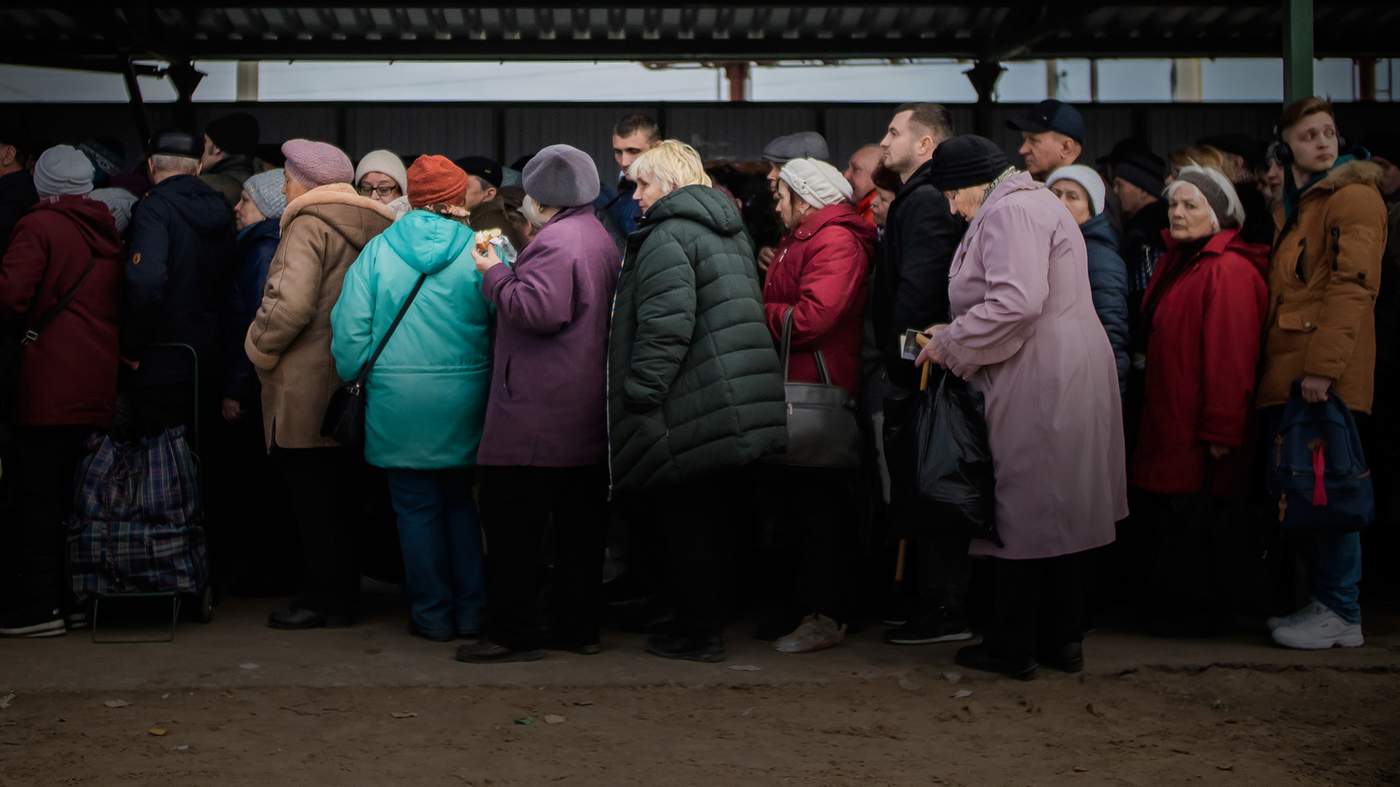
[[1365, 78], [984, 76], [738, 76], [138, 106], [1297, 49]]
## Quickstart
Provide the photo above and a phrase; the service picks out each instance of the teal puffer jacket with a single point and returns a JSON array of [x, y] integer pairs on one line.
[[694, 384], [427, 392]]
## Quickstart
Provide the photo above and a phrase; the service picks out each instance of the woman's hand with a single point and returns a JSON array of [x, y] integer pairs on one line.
[[1315, 388], [930, 353], [1219, 451], [486, 260]]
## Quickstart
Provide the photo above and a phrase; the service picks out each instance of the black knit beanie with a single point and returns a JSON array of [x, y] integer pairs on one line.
[[967, 160]]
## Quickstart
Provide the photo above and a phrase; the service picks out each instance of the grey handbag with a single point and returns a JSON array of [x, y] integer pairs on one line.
[[822, 420]]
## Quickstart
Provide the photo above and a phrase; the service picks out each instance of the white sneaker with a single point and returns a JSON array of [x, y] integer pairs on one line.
[[1308, 609], [1320, 630], [817, 632]]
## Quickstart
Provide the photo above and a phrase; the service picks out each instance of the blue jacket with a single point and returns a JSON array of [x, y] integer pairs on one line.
[[427, 392], [257, 243], [1108, 283]]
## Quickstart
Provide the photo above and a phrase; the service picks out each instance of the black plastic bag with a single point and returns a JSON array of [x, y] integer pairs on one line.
[[954, 459]]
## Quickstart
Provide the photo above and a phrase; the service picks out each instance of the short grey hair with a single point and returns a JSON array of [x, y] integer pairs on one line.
[[167, 163], [1203, 179]]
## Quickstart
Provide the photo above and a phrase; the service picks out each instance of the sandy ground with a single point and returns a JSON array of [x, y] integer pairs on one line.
[[236, 703]]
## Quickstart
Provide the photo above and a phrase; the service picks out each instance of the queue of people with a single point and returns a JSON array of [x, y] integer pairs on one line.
[[561, 367]]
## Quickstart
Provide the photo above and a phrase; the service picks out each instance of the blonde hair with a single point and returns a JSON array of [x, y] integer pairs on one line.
[[671, 164], [1206, 156]]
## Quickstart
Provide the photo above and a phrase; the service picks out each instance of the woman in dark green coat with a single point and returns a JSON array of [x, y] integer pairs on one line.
[[695, 391]]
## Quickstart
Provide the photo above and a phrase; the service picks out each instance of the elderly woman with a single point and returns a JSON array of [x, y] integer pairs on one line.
[[818, 276], [426, 390], [1083, 193], [694, 387], [1204, 312], [544, 448], [1024, 334], [381, 176]]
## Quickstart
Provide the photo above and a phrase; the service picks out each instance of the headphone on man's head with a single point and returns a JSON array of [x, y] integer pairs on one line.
[[1284, 153]]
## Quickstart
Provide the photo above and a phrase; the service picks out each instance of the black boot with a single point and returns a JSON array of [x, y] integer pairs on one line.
[[1068, 657], [690, 647], [981, 658]]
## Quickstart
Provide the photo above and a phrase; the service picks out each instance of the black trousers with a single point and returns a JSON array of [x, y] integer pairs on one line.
[[698, 519], [43, 461], [316, 483], [517, 506], [941, 566], [1036, 605], [817, 517]]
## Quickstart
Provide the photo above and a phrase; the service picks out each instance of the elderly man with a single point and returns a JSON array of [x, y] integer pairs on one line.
[[860, 169], [230, 142], [1052, 134], [779, 151], [484, 200], [16, 186]]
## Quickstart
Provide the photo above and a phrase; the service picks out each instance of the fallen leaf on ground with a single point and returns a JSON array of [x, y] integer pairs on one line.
[[553, 718], [1080, 769], [181, 747], [525, 721], [745, 667], [116, 703], [1225, 767], [157, 731], [6, 700], [1093, 710], [404, 714], [583, 703], [248, 665], [962, 694], [952, 677], [909, 685]]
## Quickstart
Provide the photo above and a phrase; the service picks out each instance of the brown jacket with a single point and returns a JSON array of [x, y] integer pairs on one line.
[[1323, 281], [290, 338]]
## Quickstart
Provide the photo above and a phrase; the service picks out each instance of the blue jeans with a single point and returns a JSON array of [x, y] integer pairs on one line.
[[1335, 562], [441, 540]]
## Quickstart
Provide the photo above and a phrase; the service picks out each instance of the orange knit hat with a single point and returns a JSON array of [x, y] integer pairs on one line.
[[435, 179]]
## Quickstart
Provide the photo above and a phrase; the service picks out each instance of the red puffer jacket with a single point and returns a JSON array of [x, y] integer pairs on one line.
[[820, 271], [68, 377], [1206, 307]]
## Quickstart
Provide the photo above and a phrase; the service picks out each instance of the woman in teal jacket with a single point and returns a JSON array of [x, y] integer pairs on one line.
[[427, 391]]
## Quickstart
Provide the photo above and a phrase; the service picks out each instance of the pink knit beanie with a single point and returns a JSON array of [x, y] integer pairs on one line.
[[313, 164]]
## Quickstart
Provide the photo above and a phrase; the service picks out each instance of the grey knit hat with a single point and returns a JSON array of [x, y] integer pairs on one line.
[[803, 144], [818, 183], [1217, 190], [265, 189], [63, 170], [561, 176], [119, 202]]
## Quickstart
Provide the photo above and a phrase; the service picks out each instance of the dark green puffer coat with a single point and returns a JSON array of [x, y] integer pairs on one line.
[[694, 384]]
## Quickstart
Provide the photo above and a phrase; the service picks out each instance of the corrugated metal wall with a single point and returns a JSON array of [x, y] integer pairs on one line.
[[719, 130]]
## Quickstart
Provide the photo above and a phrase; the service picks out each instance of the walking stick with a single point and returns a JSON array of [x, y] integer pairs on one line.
[[904, 542]]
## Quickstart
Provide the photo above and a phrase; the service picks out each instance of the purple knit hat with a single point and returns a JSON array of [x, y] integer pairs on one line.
[[313, 164]]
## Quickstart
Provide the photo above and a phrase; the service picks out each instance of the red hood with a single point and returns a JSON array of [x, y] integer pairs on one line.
[[92, 219], [843, 214]]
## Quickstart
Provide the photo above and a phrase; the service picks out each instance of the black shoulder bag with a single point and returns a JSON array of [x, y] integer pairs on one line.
[[822, 423], [345, 414]]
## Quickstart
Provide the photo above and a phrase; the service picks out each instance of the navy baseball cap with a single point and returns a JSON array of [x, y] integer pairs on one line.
[[1050, 115]]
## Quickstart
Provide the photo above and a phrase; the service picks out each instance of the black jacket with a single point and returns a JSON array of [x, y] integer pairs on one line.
[[178, 276], [911, 272], [17, 196], [1108, 284], [694, 384]]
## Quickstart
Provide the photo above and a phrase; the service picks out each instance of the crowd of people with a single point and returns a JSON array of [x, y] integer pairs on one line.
[[578, 387]]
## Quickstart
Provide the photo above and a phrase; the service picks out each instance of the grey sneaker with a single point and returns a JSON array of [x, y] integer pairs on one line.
[[1307, 610], [816, 632], [1320, 630]]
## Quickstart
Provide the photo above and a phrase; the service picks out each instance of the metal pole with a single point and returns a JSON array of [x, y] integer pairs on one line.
[[1365, 79], [1297, 49], [138, 107]]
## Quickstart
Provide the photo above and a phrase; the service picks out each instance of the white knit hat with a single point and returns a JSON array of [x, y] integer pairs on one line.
[[1086, 177], [816, 182], [386, 161]]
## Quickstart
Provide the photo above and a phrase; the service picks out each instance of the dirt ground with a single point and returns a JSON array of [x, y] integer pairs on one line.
[[1145, 727]]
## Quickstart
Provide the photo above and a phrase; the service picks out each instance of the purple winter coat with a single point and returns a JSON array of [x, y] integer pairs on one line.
[[548, 379]]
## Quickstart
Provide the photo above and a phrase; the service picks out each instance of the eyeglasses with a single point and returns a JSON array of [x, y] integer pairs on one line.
[[379, 191]]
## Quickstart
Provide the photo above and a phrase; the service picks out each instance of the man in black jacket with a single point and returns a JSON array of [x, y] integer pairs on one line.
[[178, 274], [17, 193], [911, 292]]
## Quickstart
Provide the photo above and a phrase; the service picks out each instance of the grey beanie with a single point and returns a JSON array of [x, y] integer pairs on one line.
[[63, 170], [1218, 191], [265, 189], [561, 176], [119, 201], [803, 144]]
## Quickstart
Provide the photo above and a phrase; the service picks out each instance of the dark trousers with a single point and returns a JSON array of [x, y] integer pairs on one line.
[[698, 520], [1037, 605], [816, 515], [44, 460], [517, 506], [1185, 558], [440, 538], [316, 483], [941, 567]]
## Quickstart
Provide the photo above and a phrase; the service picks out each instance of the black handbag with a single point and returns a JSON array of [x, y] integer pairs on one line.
[[822, 421], [345, 414], [954, 458]]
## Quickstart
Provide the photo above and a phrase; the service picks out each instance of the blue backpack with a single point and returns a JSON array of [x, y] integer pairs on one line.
[[1318, 471]]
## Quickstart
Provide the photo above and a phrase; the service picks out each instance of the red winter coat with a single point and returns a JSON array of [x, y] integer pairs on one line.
[[821, 270], [1202, 350], [68, 377]]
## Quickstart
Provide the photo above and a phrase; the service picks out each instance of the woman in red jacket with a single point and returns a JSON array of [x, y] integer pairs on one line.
[[67, 385], [819, 274], [1203, 311]]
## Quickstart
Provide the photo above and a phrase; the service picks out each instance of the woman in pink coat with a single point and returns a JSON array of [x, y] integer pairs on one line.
[[1024, 333]]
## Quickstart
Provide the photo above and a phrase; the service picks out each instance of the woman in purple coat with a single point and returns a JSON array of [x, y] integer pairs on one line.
[[1025, 334], [544, 448]]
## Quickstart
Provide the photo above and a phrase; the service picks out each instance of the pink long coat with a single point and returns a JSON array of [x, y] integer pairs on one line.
[[1025, 334]]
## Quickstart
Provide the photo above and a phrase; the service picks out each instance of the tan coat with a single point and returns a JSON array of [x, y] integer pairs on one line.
[[290, 339], [1323, 281]]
